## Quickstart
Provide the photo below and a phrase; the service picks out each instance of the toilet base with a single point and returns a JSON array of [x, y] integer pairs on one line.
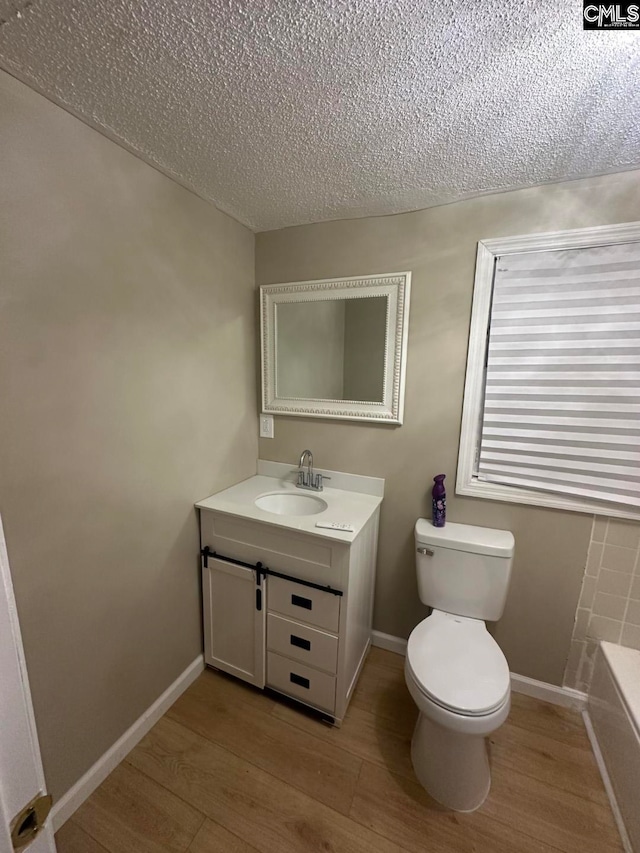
[[452, 767]]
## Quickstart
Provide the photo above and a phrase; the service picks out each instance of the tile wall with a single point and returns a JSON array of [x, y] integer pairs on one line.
[[609, 606]]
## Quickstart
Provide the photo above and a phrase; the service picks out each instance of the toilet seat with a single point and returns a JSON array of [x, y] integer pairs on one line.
[[455, 662]]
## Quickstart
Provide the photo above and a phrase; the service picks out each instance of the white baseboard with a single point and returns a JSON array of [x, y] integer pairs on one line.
[[564, 696], [389, 642], [95, 775], [606, 780]]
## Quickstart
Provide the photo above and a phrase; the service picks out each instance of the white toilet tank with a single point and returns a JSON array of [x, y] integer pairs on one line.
[[464, 569]]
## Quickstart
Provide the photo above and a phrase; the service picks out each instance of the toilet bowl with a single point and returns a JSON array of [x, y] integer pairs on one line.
[[459, 679], [455, 671]]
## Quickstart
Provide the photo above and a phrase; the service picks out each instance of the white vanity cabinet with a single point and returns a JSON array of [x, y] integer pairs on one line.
[[288, 610]]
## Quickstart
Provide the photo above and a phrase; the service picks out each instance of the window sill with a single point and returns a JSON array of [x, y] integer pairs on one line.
[[476, 488]]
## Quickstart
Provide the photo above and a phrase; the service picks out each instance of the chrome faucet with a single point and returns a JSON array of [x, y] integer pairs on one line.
[[307, 456], [307, 479]]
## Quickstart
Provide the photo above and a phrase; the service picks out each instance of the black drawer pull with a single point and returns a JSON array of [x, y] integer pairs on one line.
[[299, 601], [301, 643], [299, 680], [258, 599]]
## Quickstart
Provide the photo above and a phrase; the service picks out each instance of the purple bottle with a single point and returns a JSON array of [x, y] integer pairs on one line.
[[439, 501]]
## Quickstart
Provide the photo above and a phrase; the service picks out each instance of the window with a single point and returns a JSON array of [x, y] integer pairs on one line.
[[552, 396]]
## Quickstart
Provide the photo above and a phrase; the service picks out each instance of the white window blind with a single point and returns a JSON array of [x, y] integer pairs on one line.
[[562, 395]]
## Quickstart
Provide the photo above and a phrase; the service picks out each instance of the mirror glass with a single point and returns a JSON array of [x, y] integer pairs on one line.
[[333, 349]]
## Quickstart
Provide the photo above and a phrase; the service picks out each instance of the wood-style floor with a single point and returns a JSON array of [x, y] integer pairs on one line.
[[230, 770]]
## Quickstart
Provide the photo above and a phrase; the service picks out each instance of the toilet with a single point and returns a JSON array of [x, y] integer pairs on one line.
[[454, 669]]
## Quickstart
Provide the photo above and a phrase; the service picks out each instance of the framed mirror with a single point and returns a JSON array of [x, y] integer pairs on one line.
[[336, 348]]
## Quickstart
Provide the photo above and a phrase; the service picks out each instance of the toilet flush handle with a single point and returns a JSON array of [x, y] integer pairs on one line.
[[425, 551]]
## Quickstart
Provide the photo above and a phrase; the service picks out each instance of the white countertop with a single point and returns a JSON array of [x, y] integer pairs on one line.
[[344, 506]]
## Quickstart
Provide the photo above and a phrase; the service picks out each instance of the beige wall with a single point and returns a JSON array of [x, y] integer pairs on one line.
[[439, 246], [127, 381]]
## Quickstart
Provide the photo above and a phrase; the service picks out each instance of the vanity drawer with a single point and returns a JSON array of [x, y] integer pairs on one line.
[[302, 642], [302, 682], [303, 603]]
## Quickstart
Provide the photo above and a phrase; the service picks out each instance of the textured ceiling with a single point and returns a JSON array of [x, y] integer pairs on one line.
[[290, 111]]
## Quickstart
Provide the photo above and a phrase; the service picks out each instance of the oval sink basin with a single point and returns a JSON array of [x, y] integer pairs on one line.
[[285, 503]]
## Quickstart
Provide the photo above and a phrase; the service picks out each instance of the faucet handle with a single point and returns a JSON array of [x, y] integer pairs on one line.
[[319, 480]]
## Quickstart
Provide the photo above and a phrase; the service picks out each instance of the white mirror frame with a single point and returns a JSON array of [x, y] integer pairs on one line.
[[396, 288]]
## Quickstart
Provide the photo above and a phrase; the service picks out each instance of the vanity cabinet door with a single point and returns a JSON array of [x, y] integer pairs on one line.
[[234, 620]]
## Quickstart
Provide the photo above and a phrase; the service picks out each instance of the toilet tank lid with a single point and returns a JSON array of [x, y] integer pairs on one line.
[[466, 537]]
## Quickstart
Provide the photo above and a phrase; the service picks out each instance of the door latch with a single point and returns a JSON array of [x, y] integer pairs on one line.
[[29, 821]]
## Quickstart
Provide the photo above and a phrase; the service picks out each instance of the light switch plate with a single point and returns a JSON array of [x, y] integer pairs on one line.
[[266, 426]]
